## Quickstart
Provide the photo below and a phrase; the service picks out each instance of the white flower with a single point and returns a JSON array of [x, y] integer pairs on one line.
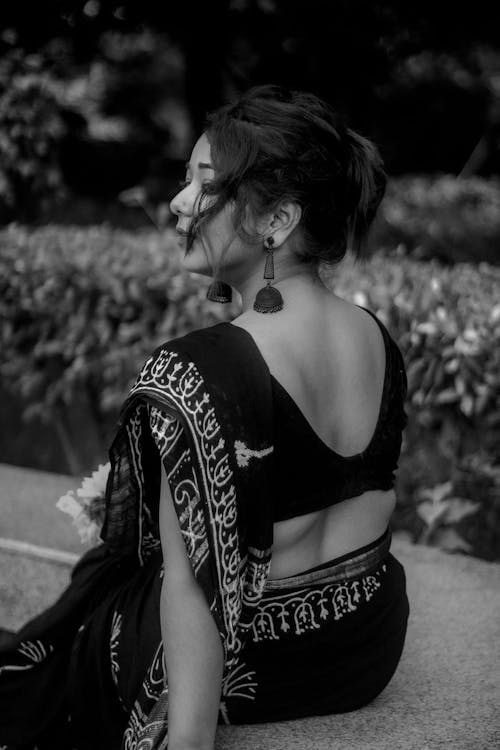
[[88, 531], [68, 504], [87, 508], [95, 485]]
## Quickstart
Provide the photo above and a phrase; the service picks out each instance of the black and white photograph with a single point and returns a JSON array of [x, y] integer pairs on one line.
[[249, 375]]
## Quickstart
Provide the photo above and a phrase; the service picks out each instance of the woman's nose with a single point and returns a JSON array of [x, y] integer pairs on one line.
[[176, 204], [183, 202]]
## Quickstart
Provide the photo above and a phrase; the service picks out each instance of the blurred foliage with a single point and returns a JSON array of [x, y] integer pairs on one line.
[[31, 130], [451, 518], [136, 81], [442, 217], [446, 321], [82, 309]]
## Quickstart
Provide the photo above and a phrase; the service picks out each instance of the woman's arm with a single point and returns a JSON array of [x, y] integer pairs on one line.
[[191, 642]]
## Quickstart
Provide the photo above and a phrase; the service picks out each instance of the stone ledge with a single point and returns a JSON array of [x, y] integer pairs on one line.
[[445, 693], [28, 501]]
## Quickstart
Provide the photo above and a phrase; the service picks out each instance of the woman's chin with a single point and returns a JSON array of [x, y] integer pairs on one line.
[[194, 263]]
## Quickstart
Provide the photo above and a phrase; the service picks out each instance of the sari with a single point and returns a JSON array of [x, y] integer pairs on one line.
[[89, 672], [215, 398]]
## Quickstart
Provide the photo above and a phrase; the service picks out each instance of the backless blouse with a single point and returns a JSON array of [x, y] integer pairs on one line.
[[310, 475]]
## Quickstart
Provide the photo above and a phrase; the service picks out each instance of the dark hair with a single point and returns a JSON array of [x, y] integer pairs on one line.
[[273, 144]]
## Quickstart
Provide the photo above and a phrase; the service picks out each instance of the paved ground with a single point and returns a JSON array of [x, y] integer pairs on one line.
[[446, 693], [27, 508]]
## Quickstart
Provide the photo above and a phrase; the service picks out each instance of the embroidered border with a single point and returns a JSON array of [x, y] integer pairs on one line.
[[239, 684], [114, 640], [167, 432], [303, 610], [33, 653], [176, 383], [163, 374]]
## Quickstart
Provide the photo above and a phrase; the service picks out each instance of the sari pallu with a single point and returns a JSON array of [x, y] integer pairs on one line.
[[202, 404], [212, 401]]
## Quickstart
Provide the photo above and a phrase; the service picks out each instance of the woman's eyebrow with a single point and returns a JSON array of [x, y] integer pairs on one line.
[[201, 165]]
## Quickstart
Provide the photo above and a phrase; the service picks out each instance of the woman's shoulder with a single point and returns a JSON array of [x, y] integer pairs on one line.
[[320, 349], [304, 337], [207, 365], [218, 352], [217, 339]]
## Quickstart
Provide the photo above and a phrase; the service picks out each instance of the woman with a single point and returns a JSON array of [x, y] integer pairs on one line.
[[246, 544]]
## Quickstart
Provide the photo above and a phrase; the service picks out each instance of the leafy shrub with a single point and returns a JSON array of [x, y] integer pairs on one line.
[[81, 310], [443, 217], [449, 515], [446, 321]]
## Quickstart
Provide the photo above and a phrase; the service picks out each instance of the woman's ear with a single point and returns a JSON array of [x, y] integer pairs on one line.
[[284, 220]]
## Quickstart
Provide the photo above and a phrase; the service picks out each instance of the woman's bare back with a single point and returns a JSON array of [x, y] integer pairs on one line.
[[329, 355]]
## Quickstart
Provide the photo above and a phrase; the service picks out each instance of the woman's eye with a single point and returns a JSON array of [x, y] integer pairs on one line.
[[184, 183]]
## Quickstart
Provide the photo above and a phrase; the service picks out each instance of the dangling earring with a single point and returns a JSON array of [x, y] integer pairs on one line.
[[219, 291], [268, 298]]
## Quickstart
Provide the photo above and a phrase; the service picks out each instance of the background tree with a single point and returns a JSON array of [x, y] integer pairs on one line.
[[134, 82]]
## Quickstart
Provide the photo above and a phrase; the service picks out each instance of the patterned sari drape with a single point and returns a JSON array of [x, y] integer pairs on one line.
[[202, 405], [89, 672]]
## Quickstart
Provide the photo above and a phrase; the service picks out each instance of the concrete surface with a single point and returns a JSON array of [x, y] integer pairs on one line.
[[445, 694], [28, 508]]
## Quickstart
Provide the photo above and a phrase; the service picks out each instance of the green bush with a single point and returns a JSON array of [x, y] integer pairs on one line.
[[442, 217], [446, 321], [81, 309]]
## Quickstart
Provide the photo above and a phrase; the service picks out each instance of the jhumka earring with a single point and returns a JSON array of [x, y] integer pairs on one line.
[[219, 291], [268, 298]]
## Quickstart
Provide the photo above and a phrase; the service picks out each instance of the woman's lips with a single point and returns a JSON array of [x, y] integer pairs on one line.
[[182, 238]]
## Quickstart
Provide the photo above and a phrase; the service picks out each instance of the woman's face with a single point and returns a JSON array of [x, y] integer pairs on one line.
[[218, 238]]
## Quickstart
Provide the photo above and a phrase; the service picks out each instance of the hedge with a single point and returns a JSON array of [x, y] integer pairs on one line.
[[446, 321], [442, 217], [82, 308]]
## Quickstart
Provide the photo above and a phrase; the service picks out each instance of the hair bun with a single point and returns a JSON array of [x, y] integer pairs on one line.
[[274, 144]]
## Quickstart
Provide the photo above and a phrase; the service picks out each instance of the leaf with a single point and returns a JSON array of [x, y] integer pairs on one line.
[[431, 513], [449, 540], [458, 508], [428, 328], [452, 365], [459, 385], [467, 404], [135, 196], [437, 493], [446, 396]]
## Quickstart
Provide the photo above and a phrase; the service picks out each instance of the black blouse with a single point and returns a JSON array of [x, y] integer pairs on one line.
[[310, 475]]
